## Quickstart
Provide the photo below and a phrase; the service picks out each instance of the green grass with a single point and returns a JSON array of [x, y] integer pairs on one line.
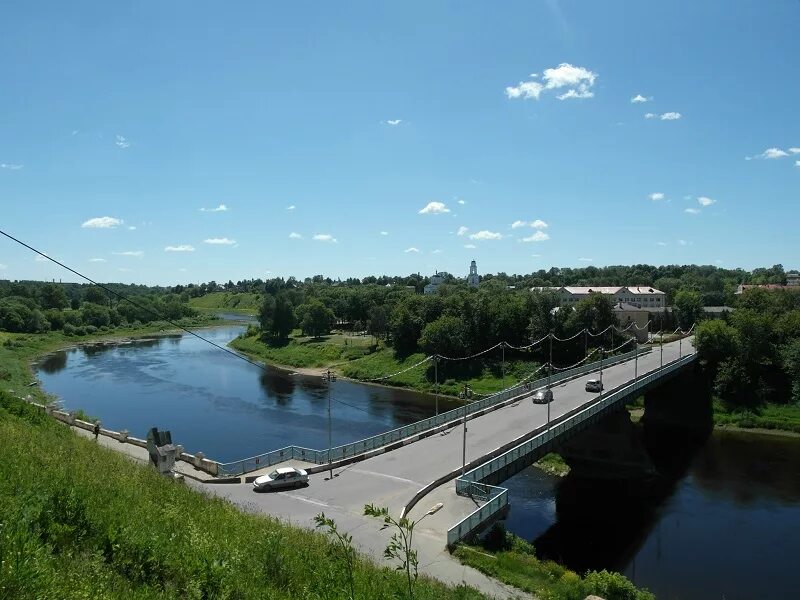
[[785, 417], [514, 562], [553, 464], [246, 303], [80, 521], [360, 358]]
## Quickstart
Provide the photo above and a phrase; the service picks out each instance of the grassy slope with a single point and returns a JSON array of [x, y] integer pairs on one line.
[[785, 417], [245, 303], [80, 521], [518, 566]]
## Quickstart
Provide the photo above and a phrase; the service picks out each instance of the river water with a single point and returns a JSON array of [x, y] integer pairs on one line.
[[721, 521]]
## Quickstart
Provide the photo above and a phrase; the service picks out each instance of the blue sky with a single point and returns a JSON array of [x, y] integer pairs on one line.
[[345, 121]]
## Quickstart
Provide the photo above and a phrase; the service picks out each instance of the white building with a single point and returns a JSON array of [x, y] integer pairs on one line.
[[436, 281], [473, 279], [792, 279], [643, 297]]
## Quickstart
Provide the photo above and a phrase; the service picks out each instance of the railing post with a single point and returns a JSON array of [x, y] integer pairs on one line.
[[436, 379]]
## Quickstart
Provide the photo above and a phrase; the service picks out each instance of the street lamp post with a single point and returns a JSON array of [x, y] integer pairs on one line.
[[585, 342], [680, 341], [662, 348], [436, 376], [466, 394], [635, 359], [549, 376], [503, 366], [329, 377], [602, 351]]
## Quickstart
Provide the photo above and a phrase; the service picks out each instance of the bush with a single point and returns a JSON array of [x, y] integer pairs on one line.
[[613, 586]]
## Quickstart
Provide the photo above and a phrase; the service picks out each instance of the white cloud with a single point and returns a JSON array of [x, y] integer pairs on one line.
[[771, 153], [656, 196], [486, 235], [692, 211], [136, 253], [670, 116], [470, 246], [3, 267], [525, 90], [705, 201], [462, 230], [584, 259], [683, 243], [97, 260], [536, 255], [463, 202], [290, 207], [518, 224], [41, 258], [295, 236], [384, 233], [539, 224], [220, 208], [11, 167], [661, 243], [181, 248], [437, 251], [539, 236], [220, 242], [394, 122], [325, 237], [412, 249], [125, 270], [650, 115], [794, 150], [122, 142], [102, 223], [638, 99], [578, 80], [132, 228], [797, 163], [434, 208]]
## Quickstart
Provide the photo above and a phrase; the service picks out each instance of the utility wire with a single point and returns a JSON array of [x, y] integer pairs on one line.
[[136, 304]]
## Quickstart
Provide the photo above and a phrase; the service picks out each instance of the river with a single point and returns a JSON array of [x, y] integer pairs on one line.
[[721, 521]]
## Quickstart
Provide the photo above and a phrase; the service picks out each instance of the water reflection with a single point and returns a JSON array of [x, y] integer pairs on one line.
[[277, 385], [53, 363]]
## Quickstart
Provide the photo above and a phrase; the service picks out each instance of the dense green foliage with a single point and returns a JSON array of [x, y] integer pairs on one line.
[[512, 560], [753, 356], [37, 307], [80, 521]]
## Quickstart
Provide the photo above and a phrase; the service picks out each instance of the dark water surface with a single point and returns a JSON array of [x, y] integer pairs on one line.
[[216, 403], [724, 525]]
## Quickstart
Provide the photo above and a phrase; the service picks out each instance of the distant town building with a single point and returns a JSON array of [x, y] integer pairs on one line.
[[639, 296], [792, 279], [627, 314], [433, 286], [793, 285], [473, 279], [716, 312]]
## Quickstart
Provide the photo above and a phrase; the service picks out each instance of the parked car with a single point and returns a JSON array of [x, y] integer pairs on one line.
[[594, 385], [285, 477], [543, 396]]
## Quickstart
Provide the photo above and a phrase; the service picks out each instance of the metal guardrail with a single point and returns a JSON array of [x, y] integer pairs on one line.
[[466, 485], [351, 449]]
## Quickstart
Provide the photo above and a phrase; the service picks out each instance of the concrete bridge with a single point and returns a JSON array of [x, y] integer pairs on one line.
[[423, 467]]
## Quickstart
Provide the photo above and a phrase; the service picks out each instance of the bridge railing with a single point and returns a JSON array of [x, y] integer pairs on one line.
[[406, 431], [467, 483]]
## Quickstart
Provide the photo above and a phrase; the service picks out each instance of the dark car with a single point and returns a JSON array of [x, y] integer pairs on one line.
[[543, 396], [594, 385]]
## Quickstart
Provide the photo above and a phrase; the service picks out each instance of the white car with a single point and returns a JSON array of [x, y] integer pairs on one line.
[[594, 385], [285, 477]]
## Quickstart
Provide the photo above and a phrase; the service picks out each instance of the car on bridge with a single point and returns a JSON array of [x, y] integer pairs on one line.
[[285, 477], [543, 396], [594, 385]]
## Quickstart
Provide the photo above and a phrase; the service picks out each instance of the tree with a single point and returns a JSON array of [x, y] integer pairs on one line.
[[445, 336], [689, 306], [790, 356], [266, 313], [315, 318], [716, 341], [96, 295], [282, 317], [400, 546], [595, 313], [94, 314], [53, 296], [377, 321]]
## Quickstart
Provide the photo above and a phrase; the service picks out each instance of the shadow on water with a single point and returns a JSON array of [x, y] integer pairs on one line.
[[602, 522], [277, 384]]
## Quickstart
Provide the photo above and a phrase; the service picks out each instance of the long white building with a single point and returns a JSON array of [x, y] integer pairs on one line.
[[640, 296]]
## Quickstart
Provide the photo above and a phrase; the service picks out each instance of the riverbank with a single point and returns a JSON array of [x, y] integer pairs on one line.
[[362, 359], [20, 351]]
